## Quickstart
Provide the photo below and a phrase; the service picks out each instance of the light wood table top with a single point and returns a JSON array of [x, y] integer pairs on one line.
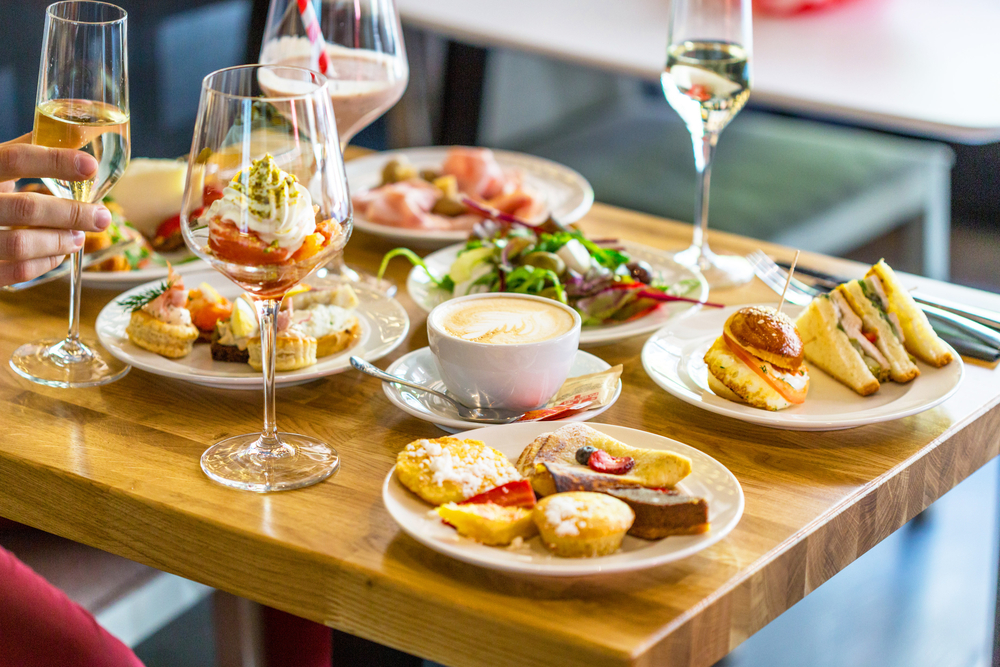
[[117, 468]]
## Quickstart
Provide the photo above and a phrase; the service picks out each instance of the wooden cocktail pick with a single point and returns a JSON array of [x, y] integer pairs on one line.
[[788, 282]]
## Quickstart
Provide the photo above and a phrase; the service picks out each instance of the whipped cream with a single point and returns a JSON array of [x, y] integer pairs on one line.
[[321, 320], [269, 202]]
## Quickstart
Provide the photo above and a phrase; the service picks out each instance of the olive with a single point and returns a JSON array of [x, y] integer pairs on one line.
[[397, 170], [449, 206], [517, 244], [552, 293], [546, 260], [448, 185], [429, 175], [641, 271], [583, 454]]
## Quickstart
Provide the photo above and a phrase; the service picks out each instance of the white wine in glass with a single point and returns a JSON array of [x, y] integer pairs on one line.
[[82, 103], [707, 81], [365, 62]]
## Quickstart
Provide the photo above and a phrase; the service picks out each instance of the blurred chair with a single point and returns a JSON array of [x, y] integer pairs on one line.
[[800, 183]]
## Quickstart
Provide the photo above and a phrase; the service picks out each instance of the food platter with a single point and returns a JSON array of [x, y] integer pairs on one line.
[[384, 325], [708, 479], [184, 263], [427, 296], [568, 194], [672, 357]]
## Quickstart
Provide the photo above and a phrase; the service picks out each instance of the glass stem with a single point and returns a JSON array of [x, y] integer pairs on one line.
[[704, 153], [76, 275], [267, 311]]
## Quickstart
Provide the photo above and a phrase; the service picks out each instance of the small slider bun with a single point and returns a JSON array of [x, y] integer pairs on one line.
[[768, 334]]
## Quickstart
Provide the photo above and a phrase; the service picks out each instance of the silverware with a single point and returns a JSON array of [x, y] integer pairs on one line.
[[63, 269], [800, 293], [480, 415], [981, 315]]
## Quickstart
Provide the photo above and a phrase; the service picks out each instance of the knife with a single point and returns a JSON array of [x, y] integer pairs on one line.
[[63, 269], [981, 315]]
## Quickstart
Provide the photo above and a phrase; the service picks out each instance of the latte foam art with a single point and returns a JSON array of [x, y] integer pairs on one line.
[[505, 321]]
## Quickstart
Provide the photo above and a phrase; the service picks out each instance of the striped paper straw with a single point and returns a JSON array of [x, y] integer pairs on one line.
[[311, 23]]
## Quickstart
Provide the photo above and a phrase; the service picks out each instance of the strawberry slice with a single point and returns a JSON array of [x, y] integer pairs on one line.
[[511, 494], [601, 461]]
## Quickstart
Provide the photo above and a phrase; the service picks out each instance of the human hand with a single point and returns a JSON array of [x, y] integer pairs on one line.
[[37, 231]]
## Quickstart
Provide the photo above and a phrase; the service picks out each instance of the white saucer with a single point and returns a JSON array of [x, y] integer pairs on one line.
[[673, 355], [384, 325], [419, 366], [709, 479]]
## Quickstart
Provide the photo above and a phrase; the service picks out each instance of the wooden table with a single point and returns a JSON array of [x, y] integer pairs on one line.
[[117, 468], [878, 63]]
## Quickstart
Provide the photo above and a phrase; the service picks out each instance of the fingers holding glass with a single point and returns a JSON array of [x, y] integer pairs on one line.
[[25, 209], [19, 160]]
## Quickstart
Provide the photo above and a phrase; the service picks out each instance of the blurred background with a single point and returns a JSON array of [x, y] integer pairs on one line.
[[823, 177]]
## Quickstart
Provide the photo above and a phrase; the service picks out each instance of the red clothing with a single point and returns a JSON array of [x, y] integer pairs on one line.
[[40, 626]]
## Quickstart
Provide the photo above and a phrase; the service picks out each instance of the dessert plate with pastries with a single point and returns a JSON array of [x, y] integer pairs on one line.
[[209, 334], [561, 499], [862, 354]]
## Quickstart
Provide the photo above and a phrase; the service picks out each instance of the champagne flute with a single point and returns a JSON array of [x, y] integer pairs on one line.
[[284, 212], [707, 82], [82, 103], [358, 45]]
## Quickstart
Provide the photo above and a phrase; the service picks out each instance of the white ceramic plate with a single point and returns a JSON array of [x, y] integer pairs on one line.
[[426, 295], [418, 366], [384, 325], [708, 479], [567, 193], [673, 359], [126, 279]]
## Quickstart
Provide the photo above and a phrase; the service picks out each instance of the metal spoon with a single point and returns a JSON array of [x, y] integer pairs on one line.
[[480, 415]]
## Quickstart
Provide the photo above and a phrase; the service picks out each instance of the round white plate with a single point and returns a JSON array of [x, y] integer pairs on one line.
[[673, 359], [128, 279], [384, 325], [426, 295], [709, 479], [419, 366], [567, 193]]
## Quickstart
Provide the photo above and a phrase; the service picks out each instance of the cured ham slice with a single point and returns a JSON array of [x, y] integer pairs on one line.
[[477, 172], [402, 204]]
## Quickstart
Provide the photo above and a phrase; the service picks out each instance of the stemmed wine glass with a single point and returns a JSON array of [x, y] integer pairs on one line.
[[284, 212], [707, 82], [358, 45], [82, 103]]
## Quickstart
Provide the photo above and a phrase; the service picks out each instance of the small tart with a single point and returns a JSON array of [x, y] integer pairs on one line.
[[291, 353], [582, 524], [338, 341], [170, 340]]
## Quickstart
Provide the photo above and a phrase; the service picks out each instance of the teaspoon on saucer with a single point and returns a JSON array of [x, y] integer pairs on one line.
[[480, 415]]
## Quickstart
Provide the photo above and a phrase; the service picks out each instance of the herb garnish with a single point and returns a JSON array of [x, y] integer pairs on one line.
[[137, 301]]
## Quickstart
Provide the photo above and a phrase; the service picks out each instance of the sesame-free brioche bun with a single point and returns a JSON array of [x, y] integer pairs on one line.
[[767, 334]]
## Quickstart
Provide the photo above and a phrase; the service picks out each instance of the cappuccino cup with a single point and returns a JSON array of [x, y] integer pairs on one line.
[[503, 350]]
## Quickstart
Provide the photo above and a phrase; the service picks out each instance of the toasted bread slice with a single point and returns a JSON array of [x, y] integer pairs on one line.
[[828, 347], [901, 368], [920, 339], [729, 371]]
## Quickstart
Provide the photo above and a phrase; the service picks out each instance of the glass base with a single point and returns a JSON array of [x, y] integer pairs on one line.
[[67, 363], [341, 271], [296, 461], [720, 271]]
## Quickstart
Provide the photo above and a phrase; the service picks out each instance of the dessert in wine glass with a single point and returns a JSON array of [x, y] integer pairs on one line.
[[284, 212], [707, 82], [358, 46], [82, 103]]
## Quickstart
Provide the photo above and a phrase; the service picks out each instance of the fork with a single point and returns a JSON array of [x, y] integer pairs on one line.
[[800, 294]]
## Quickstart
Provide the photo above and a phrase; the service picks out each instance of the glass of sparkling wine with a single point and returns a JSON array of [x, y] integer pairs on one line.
[[82, 103], [361, 45], [285, 211], [707, 82]]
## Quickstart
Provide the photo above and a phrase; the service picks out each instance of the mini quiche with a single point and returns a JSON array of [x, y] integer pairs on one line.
[[450, 470]]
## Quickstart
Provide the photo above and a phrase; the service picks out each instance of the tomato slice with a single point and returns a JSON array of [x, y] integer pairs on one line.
[[872, 336], [789, 393]]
